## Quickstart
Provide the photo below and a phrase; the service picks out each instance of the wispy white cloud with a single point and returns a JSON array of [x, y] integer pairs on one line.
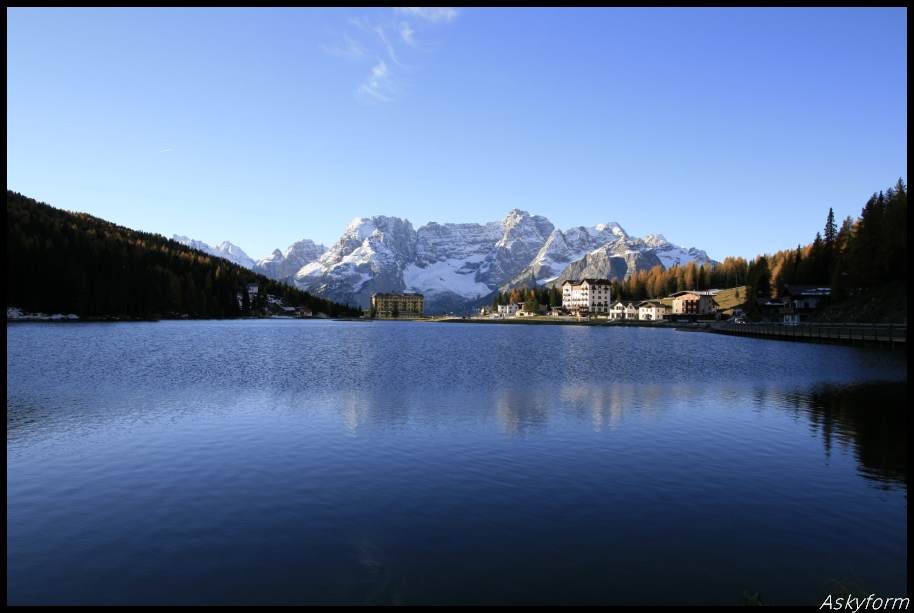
[[385, 42], [348, 49], [378, 85], [407, 34], [435, 14], [166, 150], [377, 30]]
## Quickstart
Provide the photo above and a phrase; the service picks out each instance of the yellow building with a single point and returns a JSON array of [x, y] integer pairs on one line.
[[397, 306]]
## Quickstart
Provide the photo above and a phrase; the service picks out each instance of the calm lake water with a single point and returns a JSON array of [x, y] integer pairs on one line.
[[376, 462]]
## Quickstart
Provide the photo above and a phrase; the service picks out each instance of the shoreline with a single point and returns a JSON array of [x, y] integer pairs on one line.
[[891, 336], [96, 320], [850, 334]]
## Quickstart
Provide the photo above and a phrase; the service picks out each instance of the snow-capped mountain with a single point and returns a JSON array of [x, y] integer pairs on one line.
[[454, 265], [671, 255], [225, 249], [615, 260], [369, 257], [457, 264], [460, 262], [616, 255], [563, 248], [279, 265], [450, 263]]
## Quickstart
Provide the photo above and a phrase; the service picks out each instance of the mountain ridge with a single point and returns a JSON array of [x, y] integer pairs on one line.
[[458, 265]]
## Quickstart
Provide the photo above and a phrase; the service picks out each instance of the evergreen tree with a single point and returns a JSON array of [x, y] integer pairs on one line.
[[831, 230], [864, 251], [760, 278]]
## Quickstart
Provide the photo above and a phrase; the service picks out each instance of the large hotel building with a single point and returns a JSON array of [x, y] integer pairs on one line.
[[586, 297], [397, 306]]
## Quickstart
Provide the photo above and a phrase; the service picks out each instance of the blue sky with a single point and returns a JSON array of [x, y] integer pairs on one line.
[[729, 130]]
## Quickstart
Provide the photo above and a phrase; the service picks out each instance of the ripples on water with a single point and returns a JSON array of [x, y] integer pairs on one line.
[[290, 462]]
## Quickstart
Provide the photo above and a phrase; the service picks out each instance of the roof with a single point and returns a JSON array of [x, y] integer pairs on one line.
[[591, 281], [653, 303], [794, 289], [396, 295], [707, 292]]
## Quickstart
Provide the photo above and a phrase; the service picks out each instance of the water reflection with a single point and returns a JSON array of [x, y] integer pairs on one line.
[[522, 411], [871, 418], [604, 405], [868, 418], [291, 462]]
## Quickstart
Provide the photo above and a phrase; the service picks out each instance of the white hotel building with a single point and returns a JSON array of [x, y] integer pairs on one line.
[[586, 297], [508, 310]]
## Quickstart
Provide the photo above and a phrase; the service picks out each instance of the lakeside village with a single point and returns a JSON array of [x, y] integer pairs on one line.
[[849, 283], [581, 300], [591, 299]]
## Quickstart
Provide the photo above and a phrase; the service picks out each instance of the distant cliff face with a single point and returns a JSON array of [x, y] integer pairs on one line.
[[456, 265], [279, 265], [225, 249]]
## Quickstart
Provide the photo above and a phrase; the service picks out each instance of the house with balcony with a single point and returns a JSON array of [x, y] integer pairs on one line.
[[800, 301], [617, 311], [631, 312], [694, 303], [652, 310]]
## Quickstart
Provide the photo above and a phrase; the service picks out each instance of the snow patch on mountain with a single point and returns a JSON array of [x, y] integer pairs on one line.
[[443, 277]]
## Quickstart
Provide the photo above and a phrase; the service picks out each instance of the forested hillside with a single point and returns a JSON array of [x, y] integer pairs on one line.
[[63, 262], [853, 259], [864, 261]]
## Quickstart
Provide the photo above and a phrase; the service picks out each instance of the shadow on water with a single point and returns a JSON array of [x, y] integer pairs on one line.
[[869, 417]]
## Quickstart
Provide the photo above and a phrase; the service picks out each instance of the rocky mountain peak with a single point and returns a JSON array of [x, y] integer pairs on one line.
[[459, 264]]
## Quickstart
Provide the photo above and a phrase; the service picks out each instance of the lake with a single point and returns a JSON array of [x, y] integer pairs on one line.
[[284, 461]]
